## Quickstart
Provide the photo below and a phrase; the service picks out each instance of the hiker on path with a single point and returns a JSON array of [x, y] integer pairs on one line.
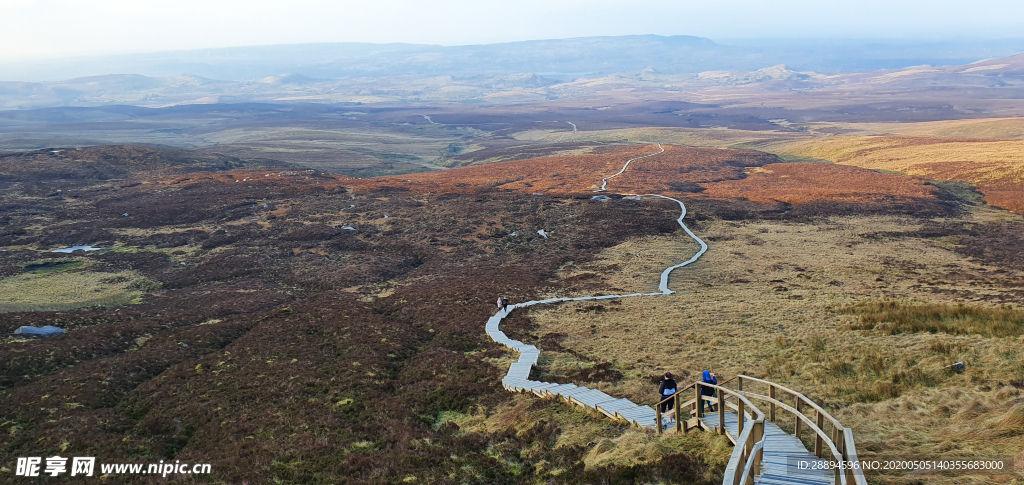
[[500, 302], [667, 390], [504, 303], [708, 378]]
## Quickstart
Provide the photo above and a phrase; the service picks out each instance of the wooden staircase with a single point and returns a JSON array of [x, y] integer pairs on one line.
[[763, 451]]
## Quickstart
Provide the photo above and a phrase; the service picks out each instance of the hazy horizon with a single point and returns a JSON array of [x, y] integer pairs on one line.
[[723, 41], [41, 30]]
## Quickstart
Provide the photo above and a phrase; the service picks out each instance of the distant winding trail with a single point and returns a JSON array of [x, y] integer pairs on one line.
[[573, 131], [518, 376], [604, 181]]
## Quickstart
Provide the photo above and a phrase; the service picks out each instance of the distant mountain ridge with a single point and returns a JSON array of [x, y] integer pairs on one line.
[[1005, 75], [561, 58]]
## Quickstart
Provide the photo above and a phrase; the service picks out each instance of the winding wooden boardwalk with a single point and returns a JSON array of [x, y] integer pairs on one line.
[[518, 377], [777, 452]]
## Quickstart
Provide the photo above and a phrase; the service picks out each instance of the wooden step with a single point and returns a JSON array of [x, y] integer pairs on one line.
[[611, 407], [592, 398]]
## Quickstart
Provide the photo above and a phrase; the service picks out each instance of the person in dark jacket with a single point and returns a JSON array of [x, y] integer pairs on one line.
[[709, 378], [667, 390]]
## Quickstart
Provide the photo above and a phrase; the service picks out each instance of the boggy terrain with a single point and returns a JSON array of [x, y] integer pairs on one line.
[[293, 326]]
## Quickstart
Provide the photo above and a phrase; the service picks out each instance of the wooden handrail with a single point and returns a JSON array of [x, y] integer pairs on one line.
[[856, 476], [678, 391], [701, 383], [841, 444], [808, 401], [749, 445], [814, 426], [749, 469], [746, 455], [732, 392]]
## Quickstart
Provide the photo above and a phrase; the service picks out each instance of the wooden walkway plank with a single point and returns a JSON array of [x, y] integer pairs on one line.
[[540, 389], [557, 390], [610, 408], [592, 398], [589, 398], [568, 394]]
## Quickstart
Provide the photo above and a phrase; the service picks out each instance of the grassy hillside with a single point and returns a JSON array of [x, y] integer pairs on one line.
[[996, 167]]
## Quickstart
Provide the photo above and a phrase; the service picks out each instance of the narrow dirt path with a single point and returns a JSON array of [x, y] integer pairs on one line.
[[518, 376]]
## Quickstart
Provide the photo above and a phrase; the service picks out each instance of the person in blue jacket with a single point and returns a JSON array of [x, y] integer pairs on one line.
[[708, 378]]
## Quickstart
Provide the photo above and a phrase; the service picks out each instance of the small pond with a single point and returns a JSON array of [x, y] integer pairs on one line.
[[75, 248]]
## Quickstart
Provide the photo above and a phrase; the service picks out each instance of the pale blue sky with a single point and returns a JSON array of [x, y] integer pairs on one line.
[[50, 28]]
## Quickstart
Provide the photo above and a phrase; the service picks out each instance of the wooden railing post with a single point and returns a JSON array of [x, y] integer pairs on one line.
[[799, 422], [771, 406], [657, 414], [700, 403], [758, 436], [721, 412], [739, 382], [739, 416], [817, 437], [837, 438], [679, 418], [748, 448]]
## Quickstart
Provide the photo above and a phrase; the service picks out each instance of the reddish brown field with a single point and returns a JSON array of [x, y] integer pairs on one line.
[[696, 173], [800, 183], [1002, 187], [553, 175], [678, 170]]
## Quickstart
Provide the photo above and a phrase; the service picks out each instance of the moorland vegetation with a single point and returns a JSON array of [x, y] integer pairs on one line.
[[300, 326]]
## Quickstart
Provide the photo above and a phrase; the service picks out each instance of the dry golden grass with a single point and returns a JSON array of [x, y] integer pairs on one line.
[[765, 300], [901, 317], [1001, 128], [69, 290], [706, 137], [628, 267], [611, 444], [995, 166]]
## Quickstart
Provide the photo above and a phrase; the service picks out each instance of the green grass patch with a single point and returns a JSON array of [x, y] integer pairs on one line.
[[895, 317], [798, 158], [64, 291], [962, 191], [54, 266]]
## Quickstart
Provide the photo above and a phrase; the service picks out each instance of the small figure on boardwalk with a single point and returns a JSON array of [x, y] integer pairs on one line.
[[502, 303], [709, 378], [667, 390]]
